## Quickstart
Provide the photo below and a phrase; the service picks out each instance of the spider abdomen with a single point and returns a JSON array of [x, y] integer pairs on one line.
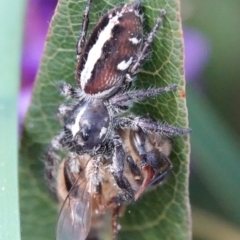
[[110, 51]]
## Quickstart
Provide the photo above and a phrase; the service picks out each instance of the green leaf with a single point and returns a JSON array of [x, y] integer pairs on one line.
[[215, 145], [162, 214], [11, 25]]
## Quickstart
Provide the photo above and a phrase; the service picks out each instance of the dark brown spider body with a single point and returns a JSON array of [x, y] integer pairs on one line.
[[107, 57]]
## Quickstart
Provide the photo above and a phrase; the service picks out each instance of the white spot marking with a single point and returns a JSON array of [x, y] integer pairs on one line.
[[75, 127], [124, 65], [103, 132], [103, 93], [96, 50], [134, 40]]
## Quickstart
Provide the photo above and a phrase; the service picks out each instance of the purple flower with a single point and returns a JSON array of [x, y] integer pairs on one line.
[[197, 51], [38, 16]]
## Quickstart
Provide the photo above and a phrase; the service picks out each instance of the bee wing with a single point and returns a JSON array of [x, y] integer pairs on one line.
[[75, 216]]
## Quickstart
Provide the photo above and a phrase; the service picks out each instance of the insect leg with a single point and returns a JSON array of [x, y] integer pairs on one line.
[[134, 168], [153, 162], [98, 196], [97, 182], [160, 176], [139, 138], [147, 43], [85, 22], [115, 219], [117, 172]]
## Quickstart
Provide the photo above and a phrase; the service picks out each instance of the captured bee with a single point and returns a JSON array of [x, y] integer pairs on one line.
[[86, 210], [97, 117]]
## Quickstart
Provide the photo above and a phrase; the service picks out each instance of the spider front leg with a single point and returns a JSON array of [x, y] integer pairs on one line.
[[117, 169], [149, 125], [121, 99]]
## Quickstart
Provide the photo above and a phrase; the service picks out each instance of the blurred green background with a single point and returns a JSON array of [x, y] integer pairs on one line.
[[213, 92]]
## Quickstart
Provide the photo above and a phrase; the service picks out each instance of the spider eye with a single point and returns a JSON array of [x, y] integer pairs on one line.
[[84, 133]]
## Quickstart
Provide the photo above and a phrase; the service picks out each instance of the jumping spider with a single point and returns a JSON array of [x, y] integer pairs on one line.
[[107, 65]]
